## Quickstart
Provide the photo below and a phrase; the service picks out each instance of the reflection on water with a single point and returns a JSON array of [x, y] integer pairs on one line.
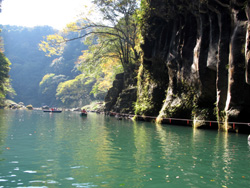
[[65, 150]]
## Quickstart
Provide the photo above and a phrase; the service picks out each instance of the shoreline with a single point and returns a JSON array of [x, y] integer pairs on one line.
[[235, 127]]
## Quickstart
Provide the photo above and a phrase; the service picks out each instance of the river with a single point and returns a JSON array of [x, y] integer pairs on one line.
[[40, 149]]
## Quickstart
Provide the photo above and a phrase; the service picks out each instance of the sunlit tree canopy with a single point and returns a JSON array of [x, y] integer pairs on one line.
[[112, 39]]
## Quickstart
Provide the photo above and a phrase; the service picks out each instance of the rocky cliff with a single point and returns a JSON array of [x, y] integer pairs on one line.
[[196, 61]]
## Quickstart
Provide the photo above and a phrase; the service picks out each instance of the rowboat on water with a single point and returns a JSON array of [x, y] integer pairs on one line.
[[83, 113]]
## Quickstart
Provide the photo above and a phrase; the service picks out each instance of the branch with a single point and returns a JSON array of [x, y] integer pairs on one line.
[[93, 25], [93, 32]]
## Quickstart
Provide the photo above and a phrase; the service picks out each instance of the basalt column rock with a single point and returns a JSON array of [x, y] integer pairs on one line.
[[247, 46], [223, 16], [189, 82], [206, 74], [114, 92], [238, 99], [153, 72], [203, 51], [122, 96], [195, 61]]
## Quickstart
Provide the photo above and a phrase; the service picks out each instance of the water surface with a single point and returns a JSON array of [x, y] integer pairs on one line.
[[65, 150]]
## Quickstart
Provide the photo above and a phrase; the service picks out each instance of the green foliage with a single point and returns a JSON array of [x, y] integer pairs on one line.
[[112, 46], [183, 102], [46, 78], [122, 30], [48, 87], [143, 13], [75, 90], [53, 45], [144, 103], [221, 116], [5, 87], [94, 64], [4, 68]]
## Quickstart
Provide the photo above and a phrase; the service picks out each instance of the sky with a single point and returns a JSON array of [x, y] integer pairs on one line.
[[30, 13]]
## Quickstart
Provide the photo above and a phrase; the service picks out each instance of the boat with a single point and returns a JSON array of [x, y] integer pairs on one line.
[[83, 114]]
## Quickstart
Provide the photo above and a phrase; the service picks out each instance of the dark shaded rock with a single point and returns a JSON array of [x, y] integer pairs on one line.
[[238, 91], [125, 101], [196, 58], [114, 92]]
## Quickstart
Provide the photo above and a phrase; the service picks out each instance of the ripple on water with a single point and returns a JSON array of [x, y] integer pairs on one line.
[[30, 172], [75, 167], [69, 178], [52, 182], [14, 162], [12, 175], [3, 180], [50, 160], [83, 185], [34, 187], [37, 181]]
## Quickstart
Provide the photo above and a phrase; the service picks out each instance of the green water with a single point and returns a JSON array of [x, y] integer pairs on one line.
[[65, 150]]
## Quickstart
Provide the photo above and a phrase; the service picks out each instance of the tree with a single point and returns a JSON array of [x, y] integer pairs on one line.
[[48, 87], [5, 87], [112, 41], [118, 30], [75, 92], [97, 63]]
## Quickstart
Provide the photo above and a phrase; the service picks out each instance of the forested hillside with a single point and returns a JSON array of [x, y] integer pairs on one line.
[[30, 65]]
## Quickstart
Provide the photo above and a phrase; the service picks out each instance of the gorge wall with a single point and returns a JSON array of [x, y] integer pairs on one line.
[[195, 62]]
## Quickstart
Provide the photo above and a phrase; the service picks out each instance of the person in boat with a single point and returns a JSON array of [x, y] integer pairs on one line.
[[84, 111]]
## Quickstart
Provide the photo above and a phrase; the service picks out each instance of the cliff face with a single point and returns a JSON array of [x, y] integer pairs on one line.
[[196, 60], [122, 96]]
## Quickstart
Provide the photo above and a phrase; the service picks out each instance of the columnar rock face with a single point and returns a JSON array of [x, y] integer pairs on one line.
[[122, 96], [196, 60], [113, 93]]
